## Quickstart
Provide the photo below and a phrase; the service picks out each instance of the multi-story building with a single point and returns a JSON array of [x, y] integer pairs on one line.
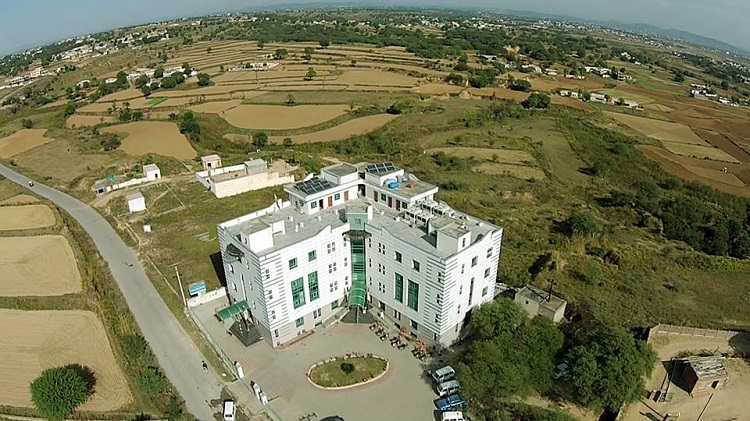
[[360, 237]]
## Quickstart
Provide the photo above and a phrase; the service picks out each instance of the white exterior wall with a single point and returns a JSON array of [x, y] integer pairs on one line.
[[311, 204], [137, 204], [258, 278]]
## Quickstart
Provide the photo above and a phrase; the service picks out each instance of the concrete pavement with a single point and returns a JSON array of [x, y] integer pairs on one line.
[[178, 356]]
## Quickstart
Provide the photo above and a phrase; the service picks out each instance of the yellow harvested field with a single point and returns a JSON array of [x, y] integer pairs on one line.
[[518, 171], [307, 87], [37, 266], [25, 217], [662, 130], [215, 107], [122, 95], [161, 138], [97, 107], [698, 151], [238, 91], [507, 156], [355, 127], [22, 141], [32, 341], [438, 89], [376, 78], [77, 120], [280, 117], [21, 199]]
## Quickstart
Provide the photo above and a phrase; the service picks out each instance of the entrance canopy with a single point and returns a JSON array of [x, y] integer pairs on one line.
[[232, 310]]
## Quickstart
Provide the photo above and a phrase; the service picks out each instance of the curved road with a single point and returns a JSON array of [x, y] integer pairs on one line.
[[177, 354]]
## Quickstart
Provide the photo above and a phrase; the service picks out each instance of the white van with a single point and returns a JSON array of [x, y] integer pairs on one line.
[[229, 409], [452, 416], [443, 374], [448, 388]]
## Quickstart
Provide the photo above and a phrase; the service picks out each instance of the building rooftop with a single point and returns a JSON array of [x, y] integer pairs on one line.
[[340, 170], [313, 185], [542, 297], [707, 367], [207, 158], [300, 226], [134, 196], [256, 166], [150, 167]]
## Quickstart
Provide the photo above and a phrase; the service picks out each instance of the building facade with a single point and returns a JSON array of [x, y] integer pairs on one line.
[[368, 237]]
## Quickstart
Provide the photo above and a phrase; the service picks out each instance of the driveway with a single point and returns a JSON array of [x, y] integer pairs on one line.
[[178, 356], [404, 393]]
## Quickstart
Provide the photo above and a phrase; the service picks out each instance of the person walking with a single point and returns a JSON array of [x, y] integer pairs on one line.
[[205, 366]]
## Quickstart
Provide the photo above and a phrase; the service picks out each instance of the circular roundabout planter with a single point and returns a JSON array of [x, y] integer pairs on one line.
[[347, 372]]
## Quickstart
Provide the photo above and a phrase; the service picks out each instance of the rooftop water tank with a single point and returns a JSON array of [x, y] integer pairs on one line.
[[393, 185]]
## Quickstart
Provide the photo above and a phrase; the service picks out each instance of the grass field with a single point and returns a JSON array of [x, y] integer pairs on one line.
[[506, 156], [699, 151], [31, 341], [269, 117], [25, 217], [662, 130], [215, 107], [22, 141], [19, 199], [518, 171], [354, 127], [38, 266], [161, 138]]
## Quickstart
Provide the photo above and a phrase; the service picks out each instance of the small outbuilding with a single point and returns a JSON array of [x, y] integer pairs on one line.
[[136, 202], [151, 172], [537, 302], [702, 375], [211, 162]]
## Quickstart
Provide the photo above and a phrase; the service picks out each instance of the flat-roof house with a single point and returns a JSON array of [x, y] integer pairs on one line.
[[210, 162], [541, 303], [245, 177], [151, 171], [136, 202], [702, 375]]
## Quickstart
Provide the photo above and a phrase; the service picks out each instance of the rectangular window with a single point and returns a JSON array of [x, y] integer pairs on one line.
[[489, 253], [317, 313], [474, 261], [269, 295], [382, 196], [312, 255], [415, 265], [299, 322], [313, 205], [334, 305], [276, 333], [414, 325], [312, 284], [487, 273], [398, 257], [471, 291], [293, 263], [484, 291], [413, 301], [331, 247], [399, 294], [405, 205], [298, 293], [272, 315], [337, 196]]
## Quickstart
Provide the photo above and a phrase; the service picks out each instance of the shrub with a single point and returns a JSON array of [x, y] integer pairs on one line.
[[347, 368], [27, 124], [57, 392], [583, 223]]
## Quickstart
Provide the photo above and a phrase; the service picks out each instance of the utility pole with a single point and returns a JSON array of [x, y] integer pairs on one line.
[[179, 281]]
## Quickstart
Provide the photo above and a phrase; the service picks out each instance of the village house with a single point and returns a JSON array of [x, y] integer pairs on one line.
[[537, 302]]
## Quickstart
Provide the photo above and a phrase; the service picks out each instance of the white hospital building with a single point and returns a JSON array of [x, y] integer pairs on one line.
[[368, 237]]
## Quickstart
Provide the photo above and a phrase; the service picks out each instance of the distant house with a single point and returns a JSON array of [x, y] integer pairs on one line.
[[237, 179], [136, 202], [151, 172], [110, 80], [211, 162], [702, 375], [537, 302], [564, 92], [598, 98]]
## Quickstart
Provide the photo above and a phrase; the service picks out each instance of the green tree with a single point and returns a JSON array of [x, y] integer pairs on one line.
[[27, 123], [281, 53], [520, 85], [203, 79], [583, 223], [325, 42], [186, 69], [724, 85], [178, 77], [537, 100], [492, 320], [159, 72], [168, 82], [141, 81], [260, 139], [70, 109], [146, 91], [308, 53], [609, 368], [290, 100], [310, 74], [455, 79], [57, 392], [208, 50], [288, 142]]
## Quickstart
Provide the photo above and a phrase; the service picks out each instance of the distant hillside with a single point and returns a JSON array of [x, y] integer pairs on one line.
[[677, 34]]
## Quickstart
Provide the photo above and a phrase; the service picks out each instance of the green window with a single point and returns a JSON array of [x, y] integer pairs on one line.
[[334, 305], [299, 322], [312, 283], [298, 293], [399, 288], [312, 255], [413, 296], [337, 196], [293, 263]]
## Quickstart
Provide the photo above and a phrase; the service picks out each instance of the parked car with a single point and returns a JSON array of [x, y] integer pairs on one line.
[[452, 416], [229, 410], [450, 403], [448, 388], [443, 374]]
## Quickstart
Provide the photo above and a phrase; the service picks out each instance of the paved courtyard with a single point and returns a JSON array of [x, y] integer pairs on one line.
[[404, 393]]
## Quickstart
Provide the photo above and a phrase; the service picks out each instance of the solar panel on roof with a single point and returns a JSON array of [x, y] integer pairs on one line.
[[313, 185], [381, 168]]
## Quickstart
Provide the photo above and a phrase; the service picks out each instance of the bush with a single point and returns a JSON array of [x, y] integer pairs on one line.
[[537, 100], [27, 124], [152, 382], [57, 392], [347, 368], [520, 85], [260, 139], [583, 223]]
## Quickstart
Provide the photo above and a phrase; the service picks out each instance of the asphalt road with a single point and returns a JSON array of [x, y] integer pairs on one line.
[[178, 356]]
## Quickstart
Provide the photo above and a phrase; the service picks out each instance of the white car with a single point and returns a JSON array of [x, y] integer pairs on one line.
[[452, 416], [229, 410]]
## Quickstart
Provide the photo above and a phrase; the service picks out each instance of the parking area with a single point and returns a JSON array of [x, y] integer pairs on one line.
[[404, 392]]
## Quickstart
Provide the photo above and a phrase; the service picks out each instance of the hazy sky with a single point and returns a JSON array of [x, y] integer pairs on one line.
[[29, 23]]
